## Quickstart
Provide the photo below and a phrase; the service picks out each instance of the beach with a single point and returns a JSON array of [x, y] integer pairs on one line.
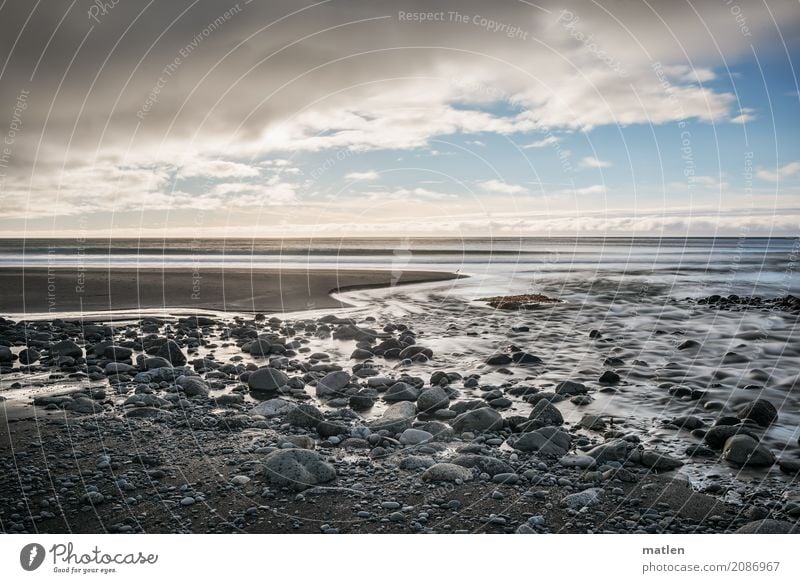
[[596, 400]]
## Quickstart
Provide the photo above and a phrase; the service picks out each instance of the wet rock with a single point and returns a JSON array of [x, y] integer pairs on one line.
[[416, 353], [272, 408], [719, 434], [743, 450], [415, 437], [498, 359], [526, 358], [578, 461], [546, 414], [401, 392], [433, 399], [547, 441], [331, 384], [267, 380], [193, 386], [582, 499], [592, 422], [304, 415], [416, 462], [397, 418], [297, 468], [485, 464], [760, 411], [331, 428], [570, 388], [609, 377], [688, 422], [478, 421], [171, 352], [66, 348], [659, 461], [614, 450]]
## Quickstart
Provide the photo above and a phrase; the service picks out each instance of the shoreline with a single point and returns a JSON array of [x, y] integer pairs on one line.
[[62, 290]]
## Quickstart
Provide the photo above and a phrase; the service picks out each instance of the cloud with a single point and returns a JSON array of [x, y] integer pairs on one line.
[[780, 173], [588, 190], [217, 169], [357, 176], [502, 187], [592, 162], [746, 114], [548, 141]]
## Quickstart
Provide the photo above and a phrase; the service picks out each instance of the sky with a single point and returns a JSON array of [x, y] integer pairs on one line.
[[342, 118]]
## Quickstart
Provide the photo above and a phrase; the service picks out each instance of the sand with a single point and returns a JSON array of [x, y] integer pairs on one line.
[[54, 290]]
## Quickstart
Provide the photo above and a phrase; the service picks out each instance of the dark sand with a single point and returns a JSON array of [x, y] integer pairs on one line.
[[237, 290]]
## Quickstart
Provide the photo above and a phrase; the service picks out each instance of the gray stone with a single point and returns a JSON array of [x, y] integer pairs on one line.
[[332, 384], [578, 461], [401, 392], [193, 386], [769, 526], [433, 399], [297, 468], [172, 352], [614, 450], [743, 450], [272, 408], [485, 464], [659, 461], [415, 437], [304, 415], [547, 414], [446, 473], [570, 388], [416, 462], [478, 421], [761, 411], [583, 499], [267, 380], [397, 418], [548, 441]]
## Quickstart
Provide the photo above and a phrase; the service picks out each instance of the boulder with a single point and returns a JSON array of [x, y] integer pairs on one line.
[[297, 468], [66, 348], [396, 419], [272, 408], [172, 352], [570, 388], [486, 464], [744, 450], [401, 392], [760, 411], [548, 441], [304, 415], [332, 384], [193, 386], [659, 461], [267, 380], [433, 399], [478, 421], [415, 437], [614, 450], [547, 414]]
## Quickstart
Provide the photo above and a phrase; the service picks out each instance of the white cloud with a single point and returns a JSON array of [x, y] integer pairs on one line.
[[217, 169], [588, 190], [746, 114], [502, 187], [368, 175], [593, 162], [781, 173], [548, 141]]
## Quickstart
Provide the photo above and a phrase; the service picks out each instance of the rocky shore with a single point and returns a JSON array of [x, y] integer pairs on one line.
[[338, 424]]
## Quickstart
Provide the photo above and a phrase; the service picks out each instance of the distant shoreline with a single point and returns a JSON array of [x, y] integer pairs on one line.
[[58, 289]]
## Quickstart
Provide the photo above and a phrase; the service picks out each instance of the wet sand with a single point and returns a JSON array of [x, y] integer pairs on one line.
[[54, 290]]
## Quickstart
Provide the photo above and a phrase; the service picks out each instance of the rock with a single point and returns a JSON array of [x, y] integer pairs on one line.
[[416, 352], [433, 399], [297, 468], [415, 437], [416, 462], [789, 466], [113, 368], [193, 386], [397, 418], [117, 352], [486, 464], [609, 377], [744, 450], [719, 434], [66, 348], [446, 473], [267, 380], [614, 450], [761, 411], [6, 356], [583, 499], [570, 388], [592, 422], [401, 392], [172, 352], [689, 345], [304, 415], [499, 359], [361, 354], [547, 441], [478, 421], [547, 414], [526, 358], [688, 422], [272, 408], [659, 461], [578, 461], [331, 428], [769, 526], [29, 356], [364, 399], [240, 480], [331, 384], [154, 362]]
